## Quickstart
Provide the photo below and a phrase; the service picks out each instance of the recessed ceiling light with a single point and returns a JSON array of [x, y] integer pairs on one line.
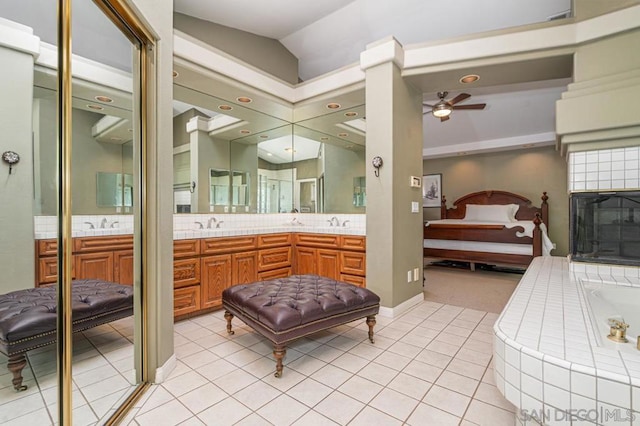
[[269, 154], [324, 138], [96, 107], [264, 136], [351, 114], [245, 131], [225, 107], [342, 135], [105, 99], [244, 99], [470, 78], [175, 74], [333, 105]]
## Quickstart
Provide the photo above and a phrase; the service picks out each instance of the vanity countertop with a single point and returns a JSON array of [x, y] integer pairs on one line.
[[218, 232], [548, 352]]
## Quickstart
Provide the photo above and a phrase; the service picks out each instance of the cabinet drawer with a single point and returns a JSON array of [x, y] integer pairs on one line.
[[186, 248], [353, 279], [228, 245], [317, 240], [47, 247], [353, 263], [111, 242], [276, 273], [274, 240], [353, 242], [186, 272], [274, 258], [186, 300]]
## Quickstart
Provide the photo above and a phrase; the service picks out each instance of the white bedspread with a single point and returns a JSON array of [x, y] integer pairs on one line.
[[528, 226]]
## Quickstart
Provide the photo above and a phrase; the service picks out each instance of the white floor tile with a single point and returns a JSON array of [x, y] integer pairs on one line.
[[410, 385], [185, 383], [39, 417], [350, 362], [202, 398], [360, 388], [226, 412], [339, 407], [331, 376], [283, 410], [482, 413], [257, 394], [171, 413], [447, 400], [235, 381], [306, 365], [491, 395], [394, 404], [457, 383], [313, 418], [423, 371], [427, 415], [370, 416], [253, 420], [378, 373], [309, 391]]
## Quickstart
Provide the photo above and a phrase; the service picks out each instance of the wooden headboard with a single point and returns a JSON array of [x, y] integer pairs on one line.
[[527, 211]]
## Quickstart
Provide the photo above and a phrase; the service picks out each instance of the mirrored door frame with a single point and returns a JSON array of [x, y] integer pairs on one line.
[[135, 29]]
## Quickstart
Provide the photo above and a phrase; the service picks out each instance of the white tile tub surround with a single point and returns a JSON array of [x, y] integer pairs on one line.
[[607, 169], [84, 225], [188, 225], [547, 354]]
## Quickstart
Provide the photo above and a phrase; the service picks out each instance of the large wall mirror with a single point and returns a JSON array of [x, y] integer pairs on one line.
[[270, 163], [105, 175]]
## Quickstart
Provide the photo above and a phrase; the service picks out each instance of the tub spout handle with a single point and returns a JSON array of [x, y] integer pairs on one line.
[[618, 331]]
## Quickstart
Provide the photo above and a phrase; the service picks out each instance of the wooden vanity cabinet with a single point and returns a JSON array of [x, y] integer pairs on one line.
[[353, 259], [186, 276], [216, 276], [275, 255], [318, 254], [108, 258]]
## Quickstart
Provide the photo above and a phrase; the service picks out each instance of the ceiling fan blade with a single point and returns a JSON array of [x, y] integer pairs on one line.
[[445, 118], [472, 106], [427, 105], [459, 98]]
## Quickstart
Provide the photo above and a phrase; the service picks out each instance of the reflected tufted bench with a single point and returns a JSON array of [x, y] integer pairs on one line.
[[28, 317], [285, 309]]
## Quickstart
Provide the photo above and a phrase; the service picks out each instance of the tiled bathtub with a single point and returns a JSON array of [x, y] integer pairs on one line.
[[550, 360]]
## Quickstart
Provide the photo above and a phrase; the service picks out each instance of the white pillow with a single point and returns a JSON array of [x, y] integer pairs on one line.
[[491, 213]]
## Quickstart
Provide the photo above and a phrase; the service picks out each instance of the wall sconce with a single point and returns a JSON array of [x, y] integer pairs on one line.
[[377, 163], [192, 189], [10, 158]]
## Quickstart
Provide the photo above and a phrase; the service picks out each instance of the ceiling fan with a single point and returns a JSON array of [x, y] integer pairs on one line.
[[443, 108]]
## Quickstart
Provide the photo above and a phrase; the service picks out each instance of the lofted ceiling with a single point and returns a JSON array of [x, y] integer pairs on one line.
[[331, 34]]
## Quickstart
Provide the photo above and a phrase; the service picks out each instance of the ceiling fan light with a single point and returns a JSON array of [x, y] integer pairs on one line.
[[441, 109]]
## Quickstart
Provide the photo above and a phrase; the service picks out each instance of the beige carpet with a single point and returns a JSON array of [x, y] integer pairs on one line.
[[482, 290]]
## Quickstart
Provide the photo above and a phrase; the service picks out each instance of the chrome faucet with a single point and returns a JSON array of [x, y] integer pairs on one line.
[[103, 223], [334, 220], [91, 225], [344, 224], [211, 220], [199, 223], [113, 224]]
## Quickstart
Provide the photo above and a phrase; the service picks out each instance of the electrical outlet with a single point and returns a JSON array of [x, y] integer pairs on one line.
[[416, 274], [409, 276]]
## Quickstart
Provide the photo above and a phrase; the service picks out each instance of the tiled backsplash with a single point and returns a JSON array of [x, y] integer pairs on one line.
[[606, 169], [46, 226]]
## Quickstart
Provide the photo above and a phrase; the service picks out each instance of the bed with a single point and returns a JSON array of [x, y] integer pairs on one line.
[[490, 227]]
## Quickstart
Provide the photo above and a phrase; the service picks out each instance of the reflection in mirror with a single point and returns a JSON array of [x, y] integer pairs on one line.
[[240, 188], [219, 188], [359, 191], [114, 189], [275, 173]]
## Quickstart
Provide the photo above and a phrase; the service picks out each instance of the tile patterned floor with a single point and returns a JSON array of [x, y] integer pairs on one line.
[[430, 366], [102, 377]]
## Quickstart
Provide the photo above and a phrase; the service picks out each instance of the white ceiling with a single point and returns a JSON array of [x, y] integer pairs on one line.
[[329, 34]]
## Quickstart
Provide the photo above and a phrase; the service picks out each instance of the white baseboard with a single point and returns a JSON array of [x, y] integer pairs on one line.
[[164, 370], [401, 308]]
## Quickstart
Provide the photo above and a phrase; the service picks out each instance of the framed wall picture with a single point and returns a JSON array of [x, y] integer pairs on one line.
[[431, 190]]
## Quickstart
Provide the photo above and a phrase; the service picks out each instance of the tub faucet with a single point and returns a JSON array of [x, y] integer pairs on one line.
[[103, 223], [91, 225]]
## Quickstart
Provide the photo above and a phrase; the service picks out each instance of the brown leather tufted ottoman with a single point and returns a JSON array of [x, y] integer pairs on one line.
[[285, 309], [28, 317]]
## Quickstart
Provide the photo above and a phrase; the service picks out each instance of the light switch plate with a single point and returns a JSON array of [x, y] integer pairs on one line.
[[409, 276], [416, 274], [415, 207]]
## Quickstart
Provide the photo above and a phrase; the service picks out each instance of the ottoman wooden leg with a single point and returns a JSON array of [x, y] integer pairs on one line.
[[228, 316], [15, 365], [279, 351], [371, 321]]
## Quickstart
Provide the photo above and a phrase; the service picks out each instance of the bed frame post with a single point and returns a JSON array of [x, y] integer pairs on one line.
[[443, 208], [545, 210], [537, 236]]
